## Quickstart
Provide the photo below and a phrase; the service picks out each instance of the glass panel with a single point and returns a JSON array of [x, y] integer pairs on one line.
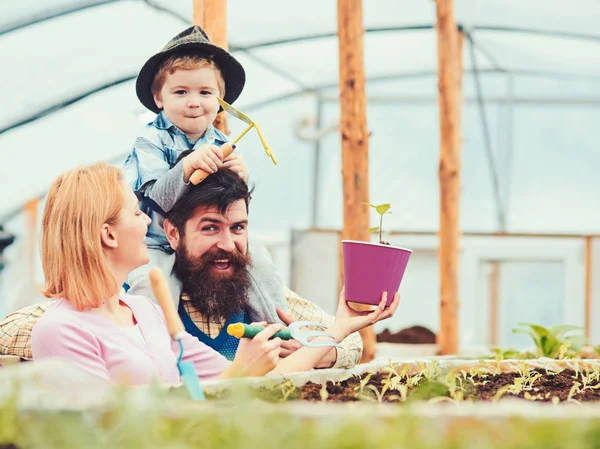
[[530, 292]]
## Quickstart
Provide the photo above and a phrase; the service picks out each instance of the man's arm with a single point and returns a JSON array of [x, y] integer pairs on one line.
[[350, 350], [16, 327]]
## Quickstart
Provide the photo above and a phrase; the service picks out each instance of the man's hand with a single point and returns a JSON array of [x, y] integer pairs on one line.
[[290, 346], [257, 356], [208, 158], [236, 163]]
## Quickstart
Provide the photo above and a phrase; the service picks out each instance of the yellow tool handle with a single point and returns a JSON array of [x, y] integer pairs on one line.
[[162, 293], [200, 175]]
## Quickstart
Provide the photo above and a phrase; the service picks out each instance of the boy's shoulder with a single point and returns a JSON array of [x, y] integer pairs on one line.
[[157, 132]]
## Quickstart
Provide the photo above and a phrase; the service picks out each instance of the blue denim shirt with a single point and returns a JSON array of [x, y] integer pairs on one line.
[[149, 171]]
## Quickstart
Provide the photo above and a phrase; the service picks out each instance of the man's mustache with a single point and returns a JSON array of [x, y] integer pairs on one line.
[[235, 258]]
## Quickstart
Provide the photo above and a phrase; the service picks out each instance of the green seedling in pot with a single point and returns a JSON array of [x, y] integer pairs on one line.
[[382, 209]]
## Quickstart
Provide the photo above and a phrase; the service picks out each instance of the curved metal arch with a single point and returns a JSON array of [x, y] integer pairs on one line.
[[534, 31], [420, 74], [52, 15], [302, 90], [65, 103], [168, 11], [317, 36], [422, 27]]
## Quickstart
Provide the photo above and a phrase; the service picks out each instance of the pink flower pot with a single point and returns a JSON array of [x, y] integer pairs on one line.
[[371, 269]]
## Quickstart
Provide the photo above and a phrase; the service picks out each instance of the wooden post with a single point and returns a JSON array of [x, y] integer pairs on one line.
[[494, 284], [588, 285], [30, 211], [211, 15], [449, 174], [354, 131], [458, 79]]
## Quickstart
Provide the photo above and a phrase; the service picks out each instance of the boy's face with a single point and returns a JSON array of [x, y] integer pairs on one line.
[[189, 100]]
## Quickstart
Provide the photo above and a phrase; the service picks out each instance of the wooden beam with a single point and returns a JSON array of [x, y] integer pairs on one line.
[[588, 285], [355, 134], [31, 211], [459, 77], [211, 15], [494, 284], [449, 174]]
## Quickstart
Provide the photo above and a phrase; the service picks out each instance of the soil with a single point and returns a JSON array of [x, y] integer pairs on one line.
[[411, 335], [547, 386]]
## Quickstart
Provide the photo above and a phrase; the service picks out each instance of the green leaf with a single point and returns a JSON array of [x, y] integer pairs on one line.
[[561, 329], [550, 341], [563, 350], [577, 342], [375, 229], [382, 208], [539, 335], [549, 345], [371, 205], [540, 331], [529, 332]]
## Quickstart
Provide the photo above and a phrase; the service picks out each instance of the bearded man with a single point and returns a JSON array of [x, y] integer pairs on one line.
[[209, 278]]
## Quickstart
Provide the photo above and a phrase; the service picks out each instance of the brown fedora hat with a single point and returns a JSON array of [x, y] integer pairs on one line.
[[193, 40]]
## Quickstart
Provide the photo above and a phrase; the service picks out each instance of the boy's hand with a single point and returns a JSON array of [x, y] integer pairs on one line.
[[208, 158], [236, 163]]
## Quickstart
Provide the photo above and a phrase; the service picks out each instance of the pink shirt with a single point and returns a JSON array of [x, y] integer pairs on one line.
[[97, 345]]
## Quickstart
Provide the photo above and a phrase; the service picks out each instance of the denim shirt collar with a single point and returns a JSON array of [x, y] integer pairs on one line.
[[163, 123]]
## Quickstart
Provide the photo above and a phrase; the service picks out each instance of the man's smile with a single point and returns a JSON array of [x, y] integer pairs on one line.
[[221, 264]]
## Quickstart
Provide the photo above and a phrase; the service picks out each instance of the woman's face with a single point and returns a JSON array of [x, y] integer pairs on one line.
[[130, 231]]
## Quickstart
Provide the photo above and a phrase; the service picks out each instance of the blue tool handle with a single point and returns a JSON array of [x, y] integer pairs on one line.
[[190, 380]]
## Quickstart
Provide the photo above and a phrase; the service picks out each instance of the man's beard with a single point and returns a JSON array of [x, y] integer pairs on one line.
[[217, 296]]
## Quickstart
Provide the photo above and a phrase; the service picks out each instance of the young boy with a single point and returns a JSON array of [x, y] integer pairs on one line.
[[181, 84]]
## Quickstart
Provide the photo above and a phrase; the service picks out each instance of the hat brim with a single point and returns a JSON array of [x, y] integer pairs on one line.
[[232, 71]]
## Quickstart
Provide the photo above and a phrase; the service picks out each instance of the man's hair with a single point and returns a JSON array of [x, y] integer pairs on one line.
[[79, 202], [185, 61], [220, 189]]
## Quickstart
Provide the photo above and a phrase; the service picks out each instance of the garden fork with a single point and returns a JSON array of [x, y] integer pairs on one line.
[[200, 175]]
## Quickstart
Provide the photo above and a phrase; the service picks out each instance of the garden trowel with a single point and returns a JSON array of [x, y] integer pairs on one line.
[[200, 175], [177, 331], [295, 330]]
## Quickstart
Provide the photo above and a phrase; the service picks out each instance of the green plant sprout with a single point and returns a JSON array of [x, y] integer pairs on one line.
[[382, 209], [549, 341]]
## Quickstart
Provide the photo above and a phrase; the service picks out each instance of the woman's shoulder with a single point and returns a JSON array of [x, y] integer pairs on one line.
[[60, 316], [59, 310], [142, 305]]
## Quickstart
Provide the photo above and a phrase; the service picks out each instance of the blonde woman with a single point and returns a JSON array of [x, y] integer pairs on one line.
[[92, 237]]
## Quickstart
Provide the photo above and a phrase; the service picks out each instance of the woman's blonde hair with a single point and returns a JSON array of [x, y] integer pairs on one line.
[[79, 202], [185, 62]]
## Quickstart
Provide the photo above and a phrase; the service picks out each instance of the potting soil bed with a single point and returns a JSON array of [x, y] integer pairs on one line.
[[486, 388], [543, 380]]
